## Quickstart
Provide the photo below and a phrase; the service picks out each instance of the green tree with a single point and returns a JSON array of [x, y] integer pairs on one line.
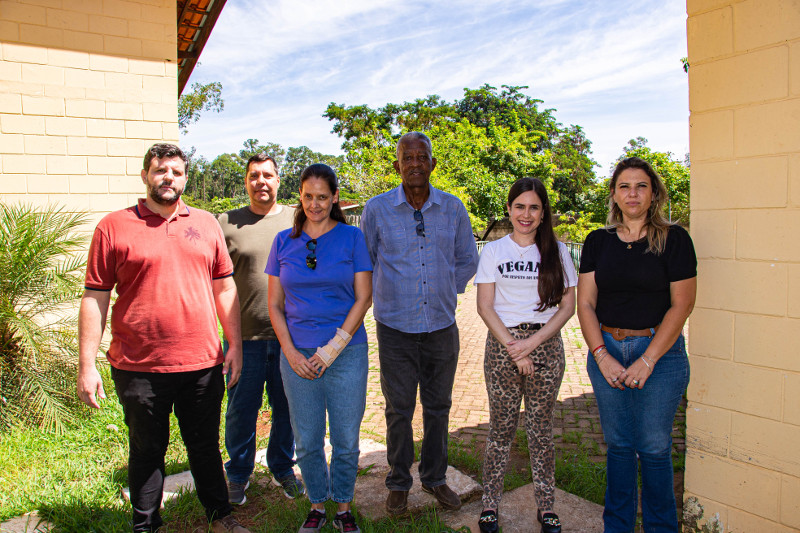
[[297, 159], [510, 108], [224, 176], [595, 202], [41, 285], [203, 97], [673, 172], [252, 147], [573, 169], [483, 142]]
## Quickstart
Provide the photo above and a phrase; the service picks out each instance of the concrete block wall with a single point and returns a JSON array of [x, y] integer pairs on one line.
[[86, 86], [743, 420]]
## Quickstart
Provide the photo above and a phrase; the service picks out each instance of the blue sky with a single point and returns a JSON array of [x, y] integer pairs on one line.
[[611, 67]]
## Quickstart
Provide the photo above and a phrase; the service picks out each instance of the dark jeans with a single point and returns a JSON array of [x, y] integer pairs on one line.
[[147, 399], [261, 363], [407, 360]]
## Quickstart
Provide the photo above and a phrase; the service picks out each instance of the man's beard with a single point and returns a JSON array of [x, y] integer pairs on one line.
[[156, 196]]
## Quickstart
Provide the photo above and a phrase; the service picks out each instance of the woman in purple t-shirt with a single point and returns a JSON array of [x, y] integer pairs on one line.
[[320, 287]]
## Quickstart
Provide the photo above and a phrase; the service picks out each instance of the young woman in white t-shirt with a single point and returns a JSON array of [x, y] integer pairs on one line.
[[526, 293]]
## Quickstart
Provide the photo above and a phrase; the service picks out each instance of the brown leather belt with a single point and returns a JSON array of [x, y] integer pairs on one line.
[[620, 333]]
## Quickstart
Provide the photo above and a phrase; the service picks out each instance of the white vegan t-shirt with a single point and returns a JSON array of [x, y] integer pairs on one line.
[[515, 272]]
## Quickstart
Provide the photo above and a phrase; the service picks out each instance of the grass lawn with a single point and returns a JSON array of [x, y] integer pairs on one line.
[[74, 481]]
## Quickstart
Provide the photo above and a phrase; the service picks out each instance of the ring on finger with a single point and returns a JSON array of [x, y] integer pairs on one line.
[[614, 380], [635, 381]]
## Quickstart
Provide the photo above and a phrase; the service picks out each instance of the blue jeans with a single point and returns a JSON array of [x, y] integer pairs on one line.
[[342, 392], [260, 365], [638, 422]]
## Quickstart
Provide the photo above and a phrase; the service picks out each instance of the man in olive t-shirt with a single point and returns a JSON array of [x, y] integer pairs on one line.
[[249, 232]]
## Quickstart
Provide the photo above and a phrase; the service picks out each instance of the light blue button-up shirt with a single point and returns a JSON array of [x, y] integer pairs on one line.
[[416, 279]]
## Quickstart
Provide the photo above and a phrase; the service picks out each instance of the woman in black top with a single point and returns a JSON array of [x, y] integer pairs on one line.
[[636, 289]]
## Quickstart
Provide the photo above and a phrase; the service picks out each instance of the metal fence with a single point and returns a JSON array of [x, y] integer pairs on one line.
[[575, 249]]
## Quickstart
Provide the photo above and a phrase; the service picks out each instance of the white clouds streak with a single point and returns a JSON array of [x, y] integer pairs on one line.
[[609, 66]]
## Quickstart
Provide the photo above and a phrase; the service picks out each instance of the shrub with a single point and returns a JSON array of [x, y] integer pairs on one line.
[[42, 281]]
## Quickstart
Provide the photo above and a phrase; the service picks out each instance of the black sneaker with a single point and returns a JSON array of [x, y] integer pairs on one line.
[[236, 492], [488, 521], [292, 487], [314, 522], [346, 523]]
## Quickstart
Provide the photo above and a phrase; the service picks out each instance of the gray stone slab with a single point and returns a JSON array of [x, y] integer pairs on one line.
[[172, 486], [371, 491], [28, 523], [518, 513]]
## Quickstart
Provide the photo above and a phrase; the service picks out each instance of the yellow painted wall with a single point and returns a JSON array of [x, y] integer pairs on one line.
[[743, 434], [86, 86]]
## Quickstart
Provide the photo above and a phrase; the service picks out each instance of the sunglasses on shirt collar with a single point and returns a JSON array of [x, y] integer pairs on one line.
[[421, 225], [311, 258]]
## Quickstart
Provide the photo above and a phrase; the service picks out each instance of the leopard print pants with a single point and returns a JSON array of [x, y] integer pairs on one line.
[[506, 389]]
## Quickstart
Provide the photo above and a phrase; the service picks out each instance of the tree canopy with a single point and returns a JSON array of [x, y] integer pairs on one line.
[[483, 143], [204, 97], [224, 176], [674, 173]]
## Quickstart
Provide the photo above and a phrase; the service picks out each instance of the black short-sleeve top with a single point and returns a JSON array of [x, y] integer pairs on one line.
[[632, 283]]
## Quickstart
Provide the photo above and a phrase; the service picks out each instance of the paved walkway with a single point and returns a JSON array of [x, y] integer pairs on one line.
[[576, 415]]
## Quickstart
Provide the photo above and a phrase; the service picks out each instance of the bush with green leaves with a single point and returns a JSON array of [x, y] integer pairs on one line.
[[42, 259], [576, 228]]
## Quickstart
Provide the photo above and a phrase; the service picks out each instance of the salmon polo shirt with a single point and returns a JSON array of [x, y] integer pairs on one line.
[[164, 318]]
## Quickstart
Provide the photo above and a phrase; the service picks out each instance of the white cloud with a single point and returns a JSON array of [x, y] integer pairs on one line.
[[611, 67]]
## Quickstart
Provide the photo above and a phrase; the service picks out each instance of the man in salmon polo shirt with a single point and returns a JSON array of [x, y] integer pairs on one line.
[[172, 274]]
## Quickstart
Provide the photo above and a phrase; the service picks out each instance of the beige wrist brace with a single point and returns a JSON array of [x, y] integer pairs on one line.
[[331, 351]]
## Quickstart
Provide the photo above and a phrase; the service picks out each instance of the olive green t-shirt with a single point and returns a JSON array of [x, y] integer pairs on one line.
[[249, 238]]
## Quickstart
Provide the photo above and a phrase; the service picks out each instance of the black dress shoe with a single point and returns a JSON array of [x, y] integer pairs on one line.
[[397, 502], [445, 496], [550, 522], [488, 521]]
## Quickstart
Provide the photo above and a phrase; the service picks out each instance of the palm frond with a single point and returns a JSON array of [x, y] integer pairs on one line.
[[42, 256]]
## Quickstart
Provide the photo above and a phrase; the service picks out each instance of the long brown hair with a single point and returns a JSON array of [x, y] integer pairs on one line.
[[324, 172], [551, 270], [656, 224]]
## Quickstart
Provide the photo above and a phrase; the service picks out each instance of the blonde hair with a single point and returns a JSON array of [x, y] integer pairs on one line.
[[657, 225]]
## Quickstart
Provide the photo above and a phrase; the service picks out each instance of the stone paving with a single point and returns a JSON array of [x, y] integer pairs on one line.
[[576, 415]]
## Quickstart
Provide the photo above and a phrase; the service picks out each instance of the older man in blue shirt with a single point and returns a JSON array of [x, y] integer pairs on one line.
[[424, 253]]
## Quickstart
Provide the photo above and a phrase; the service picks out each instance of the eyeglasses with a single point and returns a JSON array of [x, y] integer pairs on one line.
[[421, 225], [311, 258]]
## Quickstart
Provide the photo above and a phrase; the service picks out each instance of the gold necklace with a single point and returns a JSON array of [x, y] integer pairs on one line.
[[630, 243]]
